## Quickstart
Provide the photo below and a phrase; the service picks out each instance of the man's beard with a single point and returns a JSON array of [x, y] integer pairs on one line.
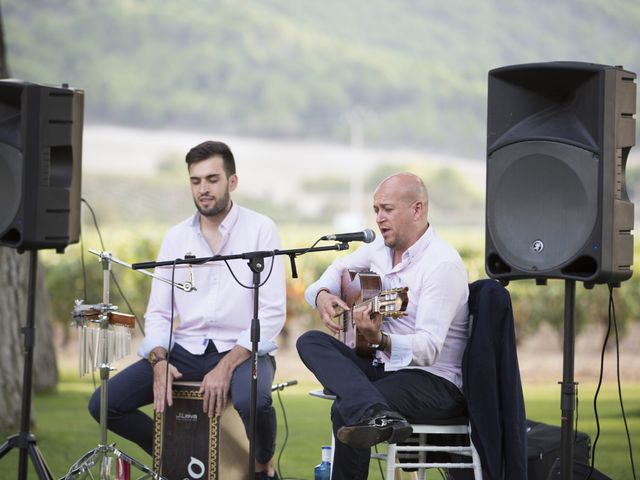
[[390, 243], [218, 206]]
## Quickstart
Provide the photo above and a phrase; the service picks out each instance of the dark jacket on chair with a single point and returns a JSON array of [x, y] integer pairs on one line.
[[492, 385]]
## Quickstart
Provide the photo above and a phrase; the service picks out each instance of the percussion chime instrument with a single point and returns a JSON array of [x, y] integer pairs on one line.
[[104, 337]]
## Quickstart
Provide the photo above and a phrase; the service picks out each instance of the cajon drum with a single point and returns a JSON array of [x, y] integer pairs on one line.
[[187, 444]]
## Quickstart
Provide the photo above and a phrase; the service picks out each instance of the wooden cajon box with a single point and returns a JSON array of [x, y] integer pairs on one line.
[[187, 444]]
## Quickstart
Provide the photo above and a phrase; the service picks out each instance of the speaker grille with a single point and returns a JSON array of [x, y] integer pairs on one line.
[[40, 165], [10, 191], [558, 137], [541, 206]]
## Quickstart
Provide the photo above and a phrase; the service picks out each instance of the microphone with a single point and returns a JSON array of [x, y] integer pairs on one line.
[[366, 236], [282, 386]]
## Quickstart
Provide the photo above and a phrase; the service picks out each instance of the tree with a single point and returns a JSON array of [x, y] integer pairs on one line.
[[14, 269]]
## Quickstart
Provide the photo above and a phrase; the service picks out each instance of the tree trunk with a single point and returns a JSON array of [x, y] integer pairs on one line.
[[14, 279], [14, 283], [12, 314], [45, 370]]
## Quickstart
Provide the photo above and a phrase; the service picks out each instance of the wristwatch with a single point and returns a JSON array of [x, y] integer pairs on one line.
[[154, 358], [384, 339]]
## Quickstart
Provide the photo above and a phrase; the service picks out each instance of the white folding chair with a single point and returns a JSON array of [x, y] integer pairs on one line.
[[395, 452]]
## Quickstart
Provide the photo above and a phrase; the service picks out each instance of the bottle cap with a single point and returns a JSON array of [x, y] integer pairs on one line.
[[326, 453]]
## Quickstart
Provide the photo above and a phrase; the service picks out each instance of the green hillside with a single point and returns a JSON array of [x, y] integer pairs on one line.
[[408, 72]]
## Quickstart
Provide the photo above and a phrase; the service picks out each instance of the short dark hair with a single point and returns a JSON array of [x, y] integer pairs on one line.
[[208, 149]]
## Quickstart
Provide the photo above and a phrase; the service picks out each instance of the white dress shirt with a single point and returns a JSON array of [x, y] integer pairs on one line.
[[219, 309], [433, 334]]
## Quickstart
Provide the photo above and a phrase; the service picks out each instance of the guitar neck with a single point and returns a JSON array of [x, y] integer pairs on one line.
[[365, 303], [391, 302]]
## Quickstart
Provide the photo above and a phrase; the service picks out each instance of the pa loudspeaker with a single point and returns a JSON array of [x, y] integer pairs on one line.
[[40, 165], [558, 138]]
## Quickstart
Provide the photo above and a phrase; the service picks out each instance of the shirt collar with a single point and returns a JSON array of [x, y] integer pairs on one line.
[[230, 220], [227, 223], [420, 245]]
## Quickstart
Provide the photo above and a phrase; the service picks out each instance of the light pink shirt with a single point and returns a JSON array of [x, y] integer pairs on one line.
[[433, 334], [219, 309]]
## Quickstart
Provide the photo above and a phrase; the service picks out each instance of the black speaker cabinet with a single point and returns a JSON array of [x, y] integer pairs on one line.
[[40, 165], [558, 138]]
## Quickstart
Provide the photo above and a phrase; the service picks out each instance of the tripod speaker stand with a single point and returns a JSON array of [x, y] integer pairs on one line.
[[26, 441], [558, 141]]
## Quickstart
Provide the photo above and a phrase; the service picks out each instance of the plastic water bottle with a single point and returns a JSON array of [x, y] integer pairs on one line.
[[323, 471]]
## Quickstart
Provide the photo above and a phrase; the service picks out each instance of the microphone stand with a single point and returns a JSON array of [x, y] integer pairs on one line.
[[256, 265]]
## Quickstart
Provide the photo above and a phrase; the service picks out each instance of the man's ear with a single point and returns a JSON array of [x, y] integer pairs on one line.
[[233, 182], [419, 209]]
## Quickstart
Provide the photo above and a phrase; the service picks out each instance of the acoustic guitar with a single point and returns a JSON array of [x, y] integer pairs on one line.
[[360, 288]]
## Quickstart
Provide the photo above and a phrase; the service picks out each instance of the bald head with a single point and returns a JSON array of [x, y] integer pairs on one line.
[[400, 204], [408, 187]]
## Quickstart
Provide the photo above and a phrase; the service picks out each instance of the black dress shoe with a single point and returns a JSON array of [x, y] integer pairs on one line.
[[380, 426]]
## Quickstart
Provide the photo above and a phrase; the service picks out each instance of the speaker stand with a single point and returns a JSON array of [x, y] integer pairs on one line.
[[24, 440], [568, 389]]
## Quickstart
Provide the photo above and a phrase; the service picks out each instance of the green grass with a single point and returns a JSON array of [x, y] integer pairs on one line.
[[65, 431]]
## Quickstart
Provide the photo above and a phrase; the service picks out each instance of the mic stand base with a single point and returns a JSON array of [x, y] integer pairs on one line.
[[106, 458]]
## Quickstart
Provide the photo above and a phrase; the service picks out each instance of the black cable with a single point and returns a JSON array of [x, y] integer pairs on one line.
[[284, 443], [308, 249], [112, 275], [250, 287], [577, 405], [166, 376], [84, 290], [595, 397], [173, 304], [84, 269], [95, 222], [624, 417], [115, 280], [286, 435]]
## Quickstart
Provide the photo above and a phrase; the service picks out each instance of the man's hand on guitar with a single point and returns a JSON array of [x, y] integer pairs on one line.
[[329, 306], [367, 324]]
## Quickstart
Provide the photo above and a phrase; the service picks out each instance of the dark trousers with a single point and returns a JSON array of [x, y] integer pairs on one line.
[[359, 385], [133, 388]]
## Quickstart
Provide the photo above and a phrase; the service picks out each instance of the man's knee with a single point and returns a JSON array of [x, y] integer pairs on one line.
[[94, 404], [243, 404], [312, 337]]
